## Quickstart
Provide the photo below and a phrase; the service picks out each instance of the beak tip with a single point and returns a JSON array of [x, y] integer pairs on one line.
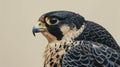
[[33, 34], [33, 31]]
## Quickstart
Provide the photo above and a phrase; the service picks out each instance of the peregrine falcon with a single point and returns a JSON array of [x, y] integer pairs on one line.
[[76, 42]]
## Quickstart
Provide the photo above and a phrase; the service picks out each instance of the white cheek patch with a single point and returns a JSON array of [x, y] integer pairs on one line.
[[49, 36], [65, 29]]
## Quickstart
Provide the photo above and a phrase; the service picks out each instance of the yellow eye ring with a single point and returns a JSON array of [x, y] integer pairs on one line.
[[52, 20]]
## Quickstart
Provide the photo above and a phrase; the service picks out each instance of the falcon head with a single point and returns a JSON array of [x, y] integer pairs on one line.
[[57, 24]]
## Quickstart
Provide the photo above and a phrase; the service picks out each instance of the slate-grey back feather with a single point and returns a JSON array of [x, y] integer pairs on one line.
[[97, 33]]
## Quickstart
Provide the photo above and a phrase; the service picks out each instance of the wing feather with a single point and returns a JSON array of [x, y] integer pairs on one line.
[[91, 54]]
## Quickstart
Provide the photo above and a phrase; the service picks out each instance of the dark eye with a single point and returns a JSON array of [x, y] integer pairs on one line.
[[52, 21]]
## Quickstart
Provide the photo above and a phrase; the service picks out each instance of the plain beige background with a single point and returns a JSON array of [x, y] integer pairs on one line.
[[19, 48]]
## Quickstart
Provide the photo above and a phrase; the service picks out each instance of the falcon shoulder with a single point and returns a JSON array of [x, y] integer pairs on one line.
[[97, 33]]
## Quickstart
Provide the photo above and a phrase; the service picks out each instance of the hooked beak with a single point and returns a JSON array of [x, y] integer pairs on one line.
[[38, 28]]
